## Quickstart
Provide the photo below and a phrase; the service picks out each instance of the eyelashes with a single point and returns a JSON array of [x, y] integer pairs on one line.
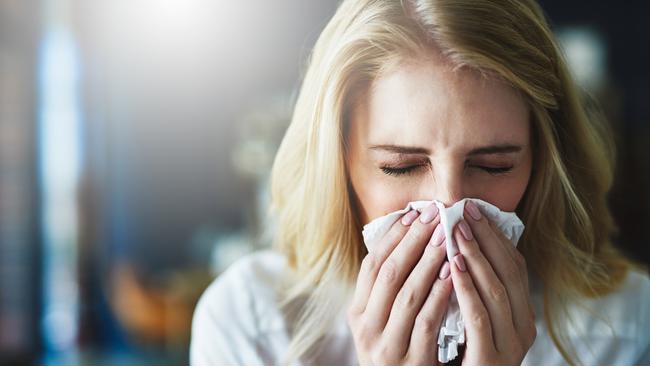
[[496, 170], [407, 170], [401, 170]]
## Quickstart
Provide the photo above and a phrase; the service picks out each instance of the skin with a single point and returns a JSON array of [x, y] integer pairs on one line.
[[424, 131]]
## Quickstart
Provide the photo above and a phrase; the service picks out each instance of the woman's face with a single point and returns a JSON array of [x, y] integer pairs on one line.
[[425, 132]]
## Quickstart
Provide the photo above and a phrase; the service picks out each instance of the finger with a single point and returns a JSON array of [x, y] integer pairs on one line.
[[502, 256], [373, 260], [475, 315], [489, 228], [395, 269], [512, 250], [519, 258], [423, 348], [492, 292], [497, 248], [412, 295], [524, 320]]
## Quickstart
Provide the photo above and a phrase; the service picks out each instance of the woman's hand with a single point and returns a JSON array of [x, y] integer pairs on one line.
[[401, 294], [491, 285]]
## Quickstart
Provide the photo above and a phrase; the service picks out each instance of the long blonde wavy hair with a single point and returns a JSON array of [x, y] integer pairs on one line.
[[568, 223]]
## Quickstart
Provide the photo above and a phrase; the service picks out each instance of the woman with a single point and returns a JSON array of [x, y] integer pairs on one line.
[[422, 100]]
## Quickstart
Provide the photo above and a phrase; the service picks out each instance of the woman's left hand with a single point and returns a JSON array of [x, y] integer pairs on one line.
[[491, 285]]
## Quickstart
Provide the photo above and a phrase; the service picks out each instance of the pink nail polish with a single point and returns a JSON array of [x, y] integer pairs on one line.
[[460, 263], [474, 212], [429, 214], [465, 230], [409, 217], [444, 271], [438, 236]]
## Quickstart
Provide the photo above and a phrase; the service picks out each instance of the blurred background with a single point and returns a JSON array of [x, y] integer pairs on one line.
[[136, 139]]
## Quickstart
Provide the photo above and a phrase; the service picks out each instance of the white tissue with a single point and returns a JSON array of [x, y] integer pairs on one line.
[[452, 329]]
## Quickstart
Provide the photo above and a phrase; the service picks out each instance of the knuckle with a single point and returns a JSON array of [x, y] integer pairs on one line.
[[363, 336], [369, 263], [520, 259], [388, 271], [438, 289], [512, 274], [381, 355], [480, 320], [426, 324], [498, 294], [406, 297]]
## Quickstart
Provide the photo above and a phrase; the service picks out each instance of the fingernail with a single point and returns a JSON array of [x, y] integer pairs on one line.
[[473, 210], [460, 263], [444, 271], [465, 230], [437, 237], [409, 217], [428, 214]]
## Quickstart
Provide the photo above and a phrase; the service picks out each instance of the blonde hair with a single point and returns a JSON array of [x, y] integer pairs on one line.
[[564, 208]]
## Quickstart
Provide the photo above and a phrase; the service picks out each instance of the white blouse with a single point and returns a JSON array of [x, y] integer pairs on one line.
[[238, 322]]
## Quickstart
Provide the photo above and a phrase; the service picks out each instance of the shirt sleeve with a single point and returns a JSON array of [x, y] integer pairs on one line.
[[223, 326]]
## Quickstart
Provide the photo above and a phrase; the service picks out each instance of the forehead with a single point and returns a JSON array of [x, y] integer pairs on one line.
[[427, 102]]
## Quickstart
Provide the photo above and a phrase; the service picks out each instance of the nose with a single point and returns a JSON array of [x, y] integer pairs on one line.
[[445, 185]]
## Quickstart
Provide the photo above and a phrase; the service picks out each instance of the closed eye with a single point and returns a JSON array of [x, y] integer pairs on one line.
[[397, 171], [494, 170]]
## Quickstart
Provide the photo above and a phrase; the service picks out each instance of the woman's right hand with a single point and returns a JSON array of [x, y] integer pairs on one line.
[[401, 294]]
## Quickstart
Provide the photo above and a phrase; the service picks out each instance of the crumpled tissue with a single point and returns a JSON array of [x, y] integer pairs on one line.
[[452, 329]]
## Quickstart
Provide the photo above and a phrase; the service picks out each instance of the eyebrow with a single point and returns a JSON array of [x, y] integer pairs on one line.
[[414, 150], [484, 150]]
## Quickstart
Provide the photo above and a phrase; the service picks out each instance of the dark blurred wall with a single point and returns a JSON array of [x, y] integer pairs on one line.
[[625, 28], [19, 231]]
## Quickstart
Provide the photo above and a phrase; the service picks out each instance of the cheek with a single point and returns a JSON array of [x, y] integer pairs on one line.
[[377, 196], [506, 193], [379, 199]]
